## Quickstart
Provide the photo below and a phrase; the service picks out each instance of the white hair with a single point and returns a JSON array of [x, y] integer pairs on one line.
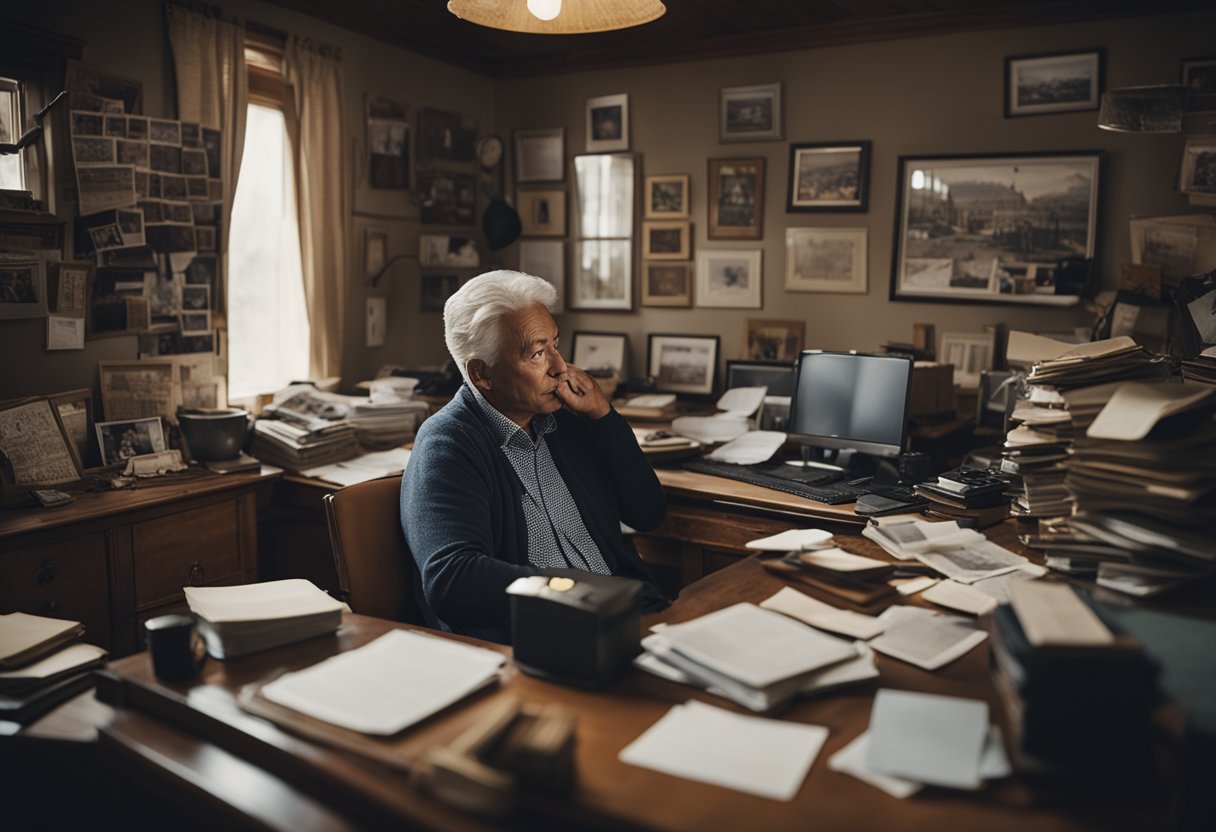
[[472, 316]]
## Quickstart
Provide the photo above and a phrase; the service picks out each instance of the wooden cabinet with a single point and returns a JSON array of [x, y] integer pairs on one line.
[[115, 559]]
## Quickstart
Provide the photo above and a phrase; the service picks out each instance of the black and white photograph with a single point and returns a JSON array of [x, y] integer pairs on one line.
[[601, 354], [1064, 82], [204, 238], [116, 126], [666, 197], [1199, 77], [446, 136], [163, 131], [1198, 174], [22, 286], [682, 363], [666, 283], [194, 161], [729, 279], [196, 188], [750, 114], [825, 260], [196, 297], [448, 250], [131, 228], [546, 259], [137, 127], [608, 123], [603, 275], [119, 441], [191, 134], [961, 217], [446, 197], [90, 150], [666, 240], [829, 177], [88, 124], [195, 322], [736, 199], [173, 186], [211, 146], [133, 153], [542, 213], [970, 353], [388, 144], [540, 155], [202, 272], [435, 289], [165, 158]]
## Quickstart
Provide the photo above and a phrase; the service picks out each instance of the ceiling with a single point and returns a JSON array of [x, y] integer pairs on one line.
[[699, 29]]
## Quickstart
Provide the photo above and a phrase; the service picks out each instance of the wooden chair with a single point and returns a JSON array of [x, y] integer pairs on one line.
[[374, 565]]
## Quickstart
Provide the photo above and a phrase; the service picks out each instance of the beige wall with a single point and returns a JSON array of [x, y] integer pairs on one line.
[[925, 96]]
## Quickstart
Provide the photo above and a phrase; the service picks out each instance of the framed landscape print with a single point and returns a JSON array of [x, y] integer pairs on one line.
[[829, 177], [1199, 76], [603, 275], [666, 240], [666, 284], [1063, 82], [736, 199], [601, 354], [608, 123], [540, 155], [542, 213], [682, 363], [825, 260], [729, 279], [991, 228], [666, 197], [750, 114]]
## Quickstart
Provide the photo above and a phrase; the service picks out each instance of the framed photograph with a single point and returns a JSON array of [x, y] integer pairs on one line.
[[826, 260], [375, 251], [435, 289], [601, 354], [603, 275], [120, 441], [829, 177], [729, 279], [666, 284], [546, 259], [1199, 74], [608, 123], [666, 197], [750, 114], [990, 228], [22, 286], [1061, 82], [682, 363], [969, 352], [75, 409], [388, 144], [1198, 175], [736, 199], [446, 197], [446, 136], [38, 450], [448, 251], [540, 155], [765, 339], [542, 213], [666, 240]]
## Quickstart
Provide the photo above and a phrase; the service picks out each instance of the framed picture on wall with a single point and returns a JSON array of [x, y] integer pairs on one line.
[[666, 197], [729, 279], [601, 354], [1061, 82], [829, 177], [765, 339], [666, 284], [825, 260], [750, 114], [1198, 175], [603, 275], [682, 363], [540, 155], [1199, 75], [969, 352], [608, 123], [736, 199], [666, 240], [969, 229], [542, 213]]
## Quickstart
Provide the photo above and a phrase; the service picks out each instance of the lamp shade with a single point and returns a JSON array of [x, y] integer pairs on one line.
[[573, 17], [1153, 109]]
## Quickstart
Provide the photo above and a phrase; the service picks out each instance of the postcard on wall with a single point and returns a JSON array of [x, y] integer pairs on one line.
[[136, 389], [67, 287], [64, 333]]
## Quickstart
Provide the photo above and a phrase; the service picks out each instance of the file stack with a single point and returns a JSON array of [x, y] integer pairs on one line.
[[237, 620], [42, 663], [972, 497], [295, 448], [1201, 368], [382, 425], [1078, 695]]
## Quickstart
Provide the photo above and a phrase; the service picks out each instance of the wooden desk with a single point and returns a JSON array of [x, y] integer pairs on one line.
[[206, 720]]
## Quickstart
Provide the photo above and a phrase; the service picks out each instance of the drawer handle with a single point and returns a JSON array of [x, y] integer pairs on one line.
[[196, 573], [51, 606], [46, 573]]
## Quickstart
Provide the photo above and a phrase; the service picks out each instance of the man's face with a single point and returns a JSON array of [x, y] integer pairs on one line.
[[522, 383]]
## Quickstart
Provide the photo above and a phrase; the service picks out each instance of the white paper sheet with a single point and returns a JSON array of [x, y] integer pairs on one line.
[[264, 601], [752, 447], [1136, 407], [64, 333], [791, 602], [765, 757], [742, 401], [387, 685], [792, 540], [924, 638], [362, 468], [1051, 614], [852, 760], [838, 560], [911, 586], [928, 738], [708, 429], [960, 597], [74, 655]]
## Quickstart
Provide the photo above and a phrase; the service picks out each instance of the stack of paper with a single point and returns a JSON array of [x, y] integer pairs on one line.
[[730, 422], [388, 685], [362, 468], [236, 620], [41, 664], [965, 555], [295, 448], [924, 638], [1202, 368], [756, 657]]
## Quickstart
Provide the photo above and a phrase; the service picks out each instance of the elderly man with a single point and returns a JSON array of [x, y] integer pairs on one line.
[[528, 468]]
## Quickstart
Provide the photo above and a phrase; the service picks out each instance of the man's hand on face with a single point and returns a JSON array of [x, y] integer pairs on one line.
[[580, 393]]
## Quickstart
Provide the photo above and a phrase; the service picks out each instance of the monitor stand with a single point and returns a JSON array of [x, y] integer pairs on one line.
[[807, 462]]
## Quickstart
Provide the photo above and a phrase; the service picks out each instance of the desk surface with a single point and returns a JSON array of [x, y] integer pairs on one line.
[[691, 484], [607, 793]]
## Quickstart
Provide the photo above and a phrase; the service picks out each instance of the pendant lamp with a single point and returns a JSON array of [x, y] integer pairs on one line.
[[557, 17]]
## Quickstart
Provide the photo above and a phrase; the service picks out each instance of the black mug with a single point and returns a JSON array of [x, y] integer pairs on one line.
[[177, 649]]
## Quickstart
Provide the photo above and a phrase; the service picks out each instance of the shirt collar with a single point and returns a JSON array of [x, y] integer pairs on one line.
[[507, 431]]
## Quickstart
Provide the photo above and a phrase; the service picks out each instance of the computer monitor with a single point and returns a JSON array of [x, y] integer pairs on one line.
[[777, 376], [848, 400]]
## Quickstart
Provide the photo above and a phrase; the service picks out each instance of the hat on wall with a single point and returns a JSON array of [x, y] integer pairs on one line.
[[501, 224]]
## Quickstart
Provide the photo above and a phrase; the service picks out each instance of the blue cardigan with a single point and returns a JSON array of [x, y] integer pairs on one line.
[[465, 526]]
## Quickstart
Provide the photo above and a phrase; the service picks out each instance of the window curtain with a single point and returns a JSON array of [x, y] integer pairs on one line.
[[314, 73], [212, 89]]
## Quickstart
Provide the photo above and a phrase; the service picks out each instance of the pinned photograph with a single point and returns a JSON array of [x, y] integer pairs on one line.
[[829, 177], [608, 123], [163, 131], [137, 127], [194, 161], [116, 126], [93, 151], [88, 124], [196, 297], [1198, 175], [191, 134], [729, 279], [165, 158], [666, 196], [1064, 82], [133, 153], [666, 284], [119, 441], [750, 114], [195, 322]]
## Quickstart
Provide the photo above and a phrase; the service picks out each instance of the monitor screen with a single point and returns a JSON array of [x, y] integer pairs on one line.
[[777, 376], [849, 400]]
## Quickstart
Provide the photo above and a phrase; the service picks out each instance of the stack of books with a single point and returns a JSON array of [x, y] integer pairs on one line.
[[294, 447], [42, 663], [651, 406], [1201, 368], [971, 496], [381, 425], [237, 620], [1078, 693]]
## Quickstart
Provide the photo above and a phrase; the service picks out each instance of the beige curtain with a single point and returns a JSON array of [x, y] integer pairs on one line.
[[212, 89], [314, 73]]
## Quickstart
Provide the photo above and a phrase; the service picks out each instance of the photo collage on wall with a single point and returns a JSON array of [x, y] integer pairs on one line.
[[446, 182]]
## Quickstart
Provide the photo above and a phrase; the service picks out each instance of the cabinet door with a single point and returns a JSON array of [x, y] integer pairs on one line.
[[67, 579], [191, 548]]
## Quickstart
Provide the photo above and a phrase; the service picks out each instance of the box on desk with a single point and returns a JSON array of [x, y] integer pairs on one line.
[[932, 389]]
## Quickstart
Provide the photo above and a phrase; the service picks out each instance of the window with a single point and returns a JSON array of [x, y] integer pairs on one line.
[[268, 331], [12, 173]]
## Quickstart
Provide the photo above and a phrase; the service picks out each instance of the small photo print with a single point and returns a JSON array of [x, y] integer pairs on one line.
[[163, 131], [195, 322], [195, 297], [122, 440]]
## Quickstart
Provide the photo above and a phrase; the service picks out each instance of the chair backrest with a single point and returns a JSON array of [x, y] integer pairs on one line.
[[374, 564]]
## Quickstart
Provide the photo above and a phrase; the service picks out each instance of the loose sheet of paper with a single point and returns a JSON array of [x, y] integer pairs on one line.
[[791, 602], [960, 597], [363, 468], [924, 638], [1052, 614], [765, 757], [751, 448], [838, 560], [742, 401], [852, 760], [792, 540], [928, 738]]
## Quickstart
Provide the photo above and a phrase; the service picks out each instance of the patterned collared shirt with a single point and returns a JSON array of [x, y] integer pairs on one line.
[[557, 536]]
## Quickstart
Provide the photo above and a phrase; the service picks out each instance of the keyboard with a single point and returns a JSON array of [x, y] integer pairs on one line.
[[811, 483]]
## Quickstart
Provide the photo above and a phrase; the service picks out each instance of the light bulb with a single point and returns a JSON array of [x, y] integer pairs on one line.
[[545, 9]]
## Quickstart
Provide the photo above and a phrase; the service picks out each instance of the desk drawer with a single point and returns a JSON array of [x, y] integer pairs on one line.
[[67, 579], [201, 546]]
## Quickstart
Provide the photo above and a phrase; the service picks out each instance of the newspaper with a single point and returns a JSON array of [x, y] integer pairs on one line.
[[35, 446], [104, 187], [136, 389]]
